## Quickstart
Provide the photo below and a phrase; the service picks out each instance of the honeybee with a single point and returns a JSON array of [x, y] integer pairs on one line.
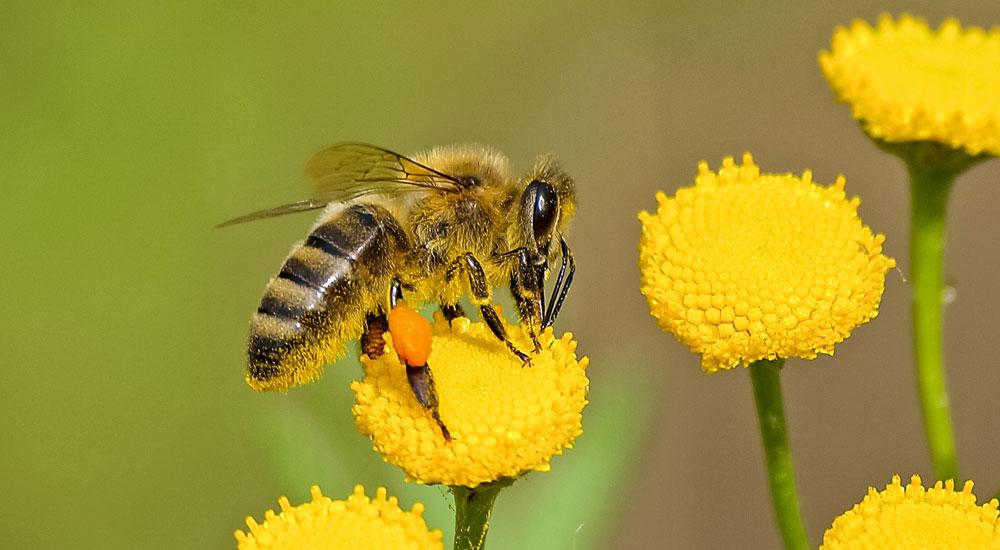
[[446, 223]]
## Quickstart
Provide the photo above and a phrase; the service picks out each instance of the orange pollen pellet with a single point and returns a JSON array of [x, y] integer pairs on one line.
[[411, 335]]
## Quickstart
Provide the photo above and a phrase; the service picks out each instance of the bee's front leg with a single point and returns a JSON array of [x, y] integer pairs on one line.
[[527, 287], [480, 289]]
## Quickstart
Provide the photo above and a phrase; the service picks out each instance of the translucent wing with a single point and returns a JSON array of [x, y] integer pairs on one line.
[[349, 170], [301, 206]]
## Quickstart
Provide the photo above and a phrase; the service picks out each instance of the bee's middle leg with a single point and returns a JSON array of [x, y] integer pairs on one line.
[[452, 312], [480, 290]]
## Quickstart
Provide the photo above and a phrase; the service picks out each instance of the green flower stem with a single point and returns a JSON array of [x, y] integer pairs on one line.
[[473, 507], [771, 415], [929, 203]]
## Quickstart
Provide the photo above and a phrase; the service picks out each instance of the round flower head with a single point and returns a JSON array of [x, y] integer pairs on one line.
[[745, 266], [504, 418], [358, 523], [906, 82], [913, 517]]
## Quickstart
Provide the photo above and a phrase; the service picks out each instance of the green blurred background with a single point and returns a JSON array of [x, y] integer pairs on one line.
[[130, 129]]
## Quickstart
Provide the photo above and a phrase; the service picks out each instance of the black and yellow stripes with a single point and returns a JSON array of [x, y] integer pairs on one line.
[[315, 302]]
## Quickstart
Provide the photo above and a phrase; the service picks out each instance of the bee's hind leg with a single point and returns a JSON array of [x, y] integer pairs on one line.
[[377, 324], [420, 377], [421, 381], [480, 290], [372, 339]]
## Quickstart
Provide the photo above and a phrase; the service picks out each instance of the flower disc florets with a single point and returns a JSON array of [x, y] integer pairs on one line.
[[504, 418], [937, 518], [358, 523], [906, 82], [746, 266]]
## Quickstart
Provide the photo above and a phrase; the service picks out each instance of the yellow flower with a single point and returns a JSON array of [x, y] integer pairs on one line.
[[905, 82], [914, 517], [504, 419], [358, 523], [745, 266]]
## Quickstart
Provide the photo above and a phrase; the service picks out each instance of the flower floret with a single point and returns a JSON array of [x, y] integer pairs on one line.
[[914, 517], [504, 418], [906, 82], [357, 523], [745, 266]]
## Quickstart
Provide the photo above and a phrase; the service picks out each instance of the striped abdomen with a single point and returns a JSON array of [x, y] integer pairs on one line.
[[321, 295]]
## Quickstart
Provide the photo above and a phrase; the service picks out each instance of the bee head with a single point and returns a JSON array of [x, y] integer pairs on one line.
[[547, 204]]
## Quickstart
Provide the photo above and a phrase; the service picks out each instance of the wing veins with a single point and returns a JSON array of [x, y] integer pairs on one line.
[[347, 171]]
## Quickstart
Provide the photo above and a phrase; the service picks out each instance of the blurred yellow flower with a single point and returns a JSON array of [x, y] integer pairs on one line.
[[913, 517], [745, 266], [358, 523], [505, 419], [905, 82]]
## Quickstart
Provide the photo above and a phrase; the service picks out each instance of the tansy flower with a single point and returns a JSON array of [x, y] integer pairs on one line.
[[745, 266], [504, 418], [906, 82], [914, 517], [357, 523]]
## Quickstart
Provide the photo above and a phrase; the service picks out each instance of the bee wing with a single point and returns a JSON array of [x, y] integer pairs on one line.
[[301, 206], [349, 170]]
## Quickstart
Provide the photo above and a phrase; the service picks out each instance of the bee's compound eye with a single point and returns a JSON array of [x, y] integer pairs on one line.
[[545, 211]]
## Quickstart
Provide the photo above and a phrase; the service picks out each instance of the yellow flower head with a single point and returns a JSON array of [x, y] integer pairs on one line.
[[504, 418], [905, 82], [913, 517], [358, 523], [746, 266]]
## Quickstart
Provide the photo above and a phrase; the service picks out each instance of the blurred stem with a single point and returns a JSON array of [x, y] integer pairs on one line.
[[473, 507], [929, 203], [765, 376]]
